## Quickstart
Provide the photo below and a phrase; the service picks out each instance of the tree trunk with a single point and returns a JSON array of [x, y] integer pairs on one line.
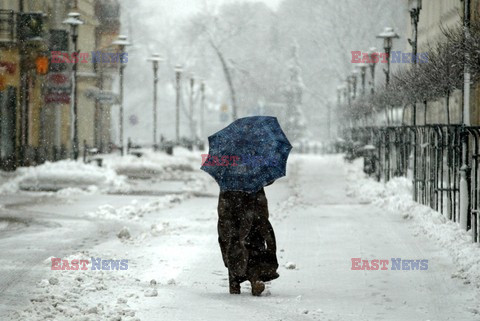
[[447, 106], [228, 77]]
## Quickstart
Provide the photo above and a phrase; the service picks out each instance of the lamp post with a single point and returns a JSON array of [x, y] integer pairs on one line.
[[363, 72], [350, 89], [414, 7], [121, 43], [346, 99], [340, 96], [202, 111], [73, 21], [178, 78], [192, 122], [373, 55], [388, 35], [349, 85], [354, 79], [465, 171], [155, 59]]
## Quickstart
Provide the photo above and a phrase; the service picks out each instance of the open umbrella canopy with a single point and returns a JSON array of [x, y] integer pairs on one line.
[[248, 154]]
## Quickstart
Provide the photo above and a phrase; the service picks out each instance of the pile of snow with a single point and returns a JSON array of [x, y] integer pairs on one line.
[[295, 199], [135, 210], [396, 197], [157, 164], [83, 294], [75, 191], [64, 175]]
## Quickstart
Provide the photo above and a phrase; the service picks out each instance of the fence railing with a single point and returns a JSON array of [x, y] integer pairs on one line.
[[431, 156]]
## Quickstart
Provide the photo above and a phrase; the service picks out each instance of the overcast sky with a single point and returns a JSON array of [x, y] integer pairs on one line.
[[182, 8], [156, 17]]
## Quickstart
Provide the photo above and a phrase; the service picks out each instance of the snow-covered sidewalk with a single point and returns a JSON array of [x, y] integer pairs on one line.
[[322, 220]]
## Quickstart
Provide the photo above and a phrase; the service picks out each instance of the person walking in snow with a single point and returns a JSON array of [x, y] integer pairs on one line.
[[247, 240], [243, 158]]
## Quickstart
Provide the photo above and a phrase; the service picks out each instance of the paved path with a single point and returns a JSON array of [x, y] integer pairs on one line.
[[318, 228]]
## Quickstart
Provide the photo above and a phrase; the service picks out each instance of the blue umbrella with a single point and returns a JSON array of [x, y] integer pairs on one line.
[[248, 154]]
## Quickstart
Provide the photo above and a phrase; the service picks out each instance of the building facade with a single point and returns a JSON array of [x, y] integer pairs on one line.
[[436, 16], [36, 94]]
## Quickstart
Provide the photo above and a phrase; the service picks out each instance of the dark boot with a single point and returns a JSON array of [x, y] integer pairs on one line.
[[234, 288], [234, 284], [257, 287]]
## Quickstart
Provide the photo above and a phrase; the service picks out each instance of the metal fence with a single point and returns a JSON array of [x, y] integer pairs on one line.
[[431, 155]]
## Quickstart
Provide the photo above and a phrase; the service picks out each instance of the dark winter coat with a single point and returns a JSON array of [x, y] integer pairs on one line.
[[246, 237]]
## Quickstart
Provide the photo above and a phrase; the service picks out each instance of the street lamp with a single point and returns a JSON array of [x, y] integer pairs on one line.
[[155, 59], [388, 35], [178, 78], [192, 122], [348, 90], [373, 55], [465, 170], [363, 72], [202, 115], [121, 43], [354, 78], [340, 99], [340, 90], [414, 7], [74, 21], [349, 95]]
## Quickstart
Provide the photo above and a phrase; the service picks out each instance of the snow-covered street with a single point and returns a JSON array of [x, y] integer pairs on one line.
[[230, 160], [175, 270]]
